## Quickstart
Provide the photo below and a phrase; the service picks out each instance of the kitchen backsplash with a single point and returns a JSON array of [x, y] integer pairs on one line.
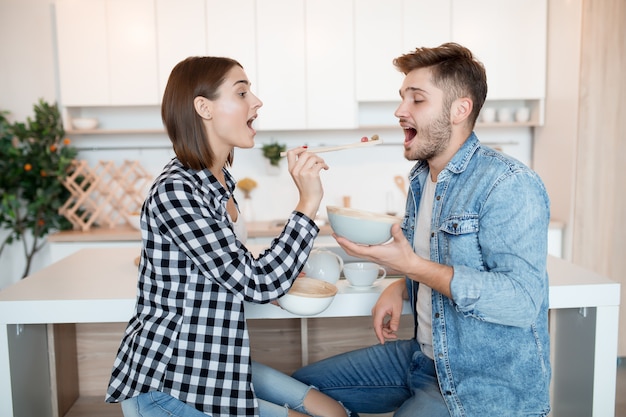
[[366, 175]]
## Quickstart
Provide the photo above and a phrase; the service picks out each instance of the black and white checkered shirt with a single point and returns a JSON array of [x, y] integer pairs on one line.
[[188, 335]]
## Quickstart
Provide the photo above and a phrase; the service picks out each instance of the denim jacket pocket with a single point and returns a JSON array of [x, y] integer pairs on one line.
[[458, 243], [460, 225]]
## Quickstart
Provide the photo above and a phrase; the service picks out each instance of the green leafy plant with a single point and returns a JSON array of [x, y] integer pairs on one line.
[[34, 159], [272, 152]]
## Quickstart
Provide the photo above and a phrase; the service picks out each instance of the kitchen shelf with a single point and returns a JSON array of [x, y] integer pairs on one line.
[[530, 123], [114, 131]]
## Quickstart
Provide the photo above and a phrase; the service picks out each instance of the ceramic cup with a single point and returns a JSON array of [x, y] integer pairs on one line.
[[488, 114], [324, 264], [505, 115], [522, 114], [363, 274]]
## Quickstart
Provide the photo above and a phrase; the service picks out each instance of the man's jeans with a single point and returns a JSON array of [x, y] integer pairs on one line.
[[275, 391], [395, 376]]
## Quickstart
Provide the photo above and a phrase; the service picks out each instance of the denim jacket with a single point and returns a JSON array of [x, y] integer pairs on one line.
[[490, 223]]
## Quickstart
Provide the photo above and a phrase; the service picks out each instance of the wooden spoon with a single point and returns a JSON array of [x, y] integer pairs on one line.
[[399, 180]]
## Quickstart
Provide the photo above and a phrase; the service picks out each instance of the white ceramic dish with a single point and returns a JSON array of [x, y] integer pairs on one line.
[[85, 123], [308, 296], [134, 219], [363, 274], [361, 226]]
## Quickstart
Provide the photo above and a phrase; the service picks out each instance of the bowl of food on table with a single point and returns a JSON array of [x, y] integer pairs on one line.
[[308, 296]]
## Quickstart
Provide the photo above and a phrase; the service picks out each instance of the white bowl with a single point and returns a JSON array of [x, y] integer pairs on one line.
[[361, 226], [85, 123], [308, 296], [133, 219]]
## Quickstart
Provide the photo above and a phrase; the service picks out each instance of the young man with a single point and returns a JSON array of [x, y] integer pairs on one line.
[[473, 248]]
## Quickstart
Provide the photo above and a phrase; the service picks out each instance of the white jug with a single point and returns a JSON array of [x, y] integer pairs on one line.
[[324, 264]]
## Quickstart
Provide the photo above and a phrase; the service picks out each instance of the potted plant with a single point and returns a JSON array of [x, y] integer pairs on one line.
[[272, 152], [34, 159]]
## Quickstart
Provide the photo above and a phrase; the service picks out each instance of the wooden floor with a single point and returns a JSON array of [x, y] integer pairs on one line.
[[94, 407]]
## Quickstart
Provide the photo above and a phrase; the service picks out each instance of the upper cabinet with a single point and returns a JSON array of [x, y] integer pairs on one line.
[[231, 31], [305, 64], [180, 34], [316, 64], [281, 64], [330, 65], [83, 52], [386, 30], [378, 40], [107, 52], [510, 38]]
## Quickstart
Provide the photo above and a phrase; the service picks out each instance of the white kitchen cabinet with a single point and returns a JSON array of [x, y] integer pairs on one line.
[[306, 64], [510, 38], [231, 32], [180, 34], [386, 30], [281, 70], [378, 40], [107, 52], [82, 52], [132, 52], [330, 65], [425, 23]]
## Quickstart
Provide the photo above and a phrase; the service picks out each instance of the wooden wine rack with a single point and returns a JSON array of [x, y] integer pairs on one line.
[[104, 195]]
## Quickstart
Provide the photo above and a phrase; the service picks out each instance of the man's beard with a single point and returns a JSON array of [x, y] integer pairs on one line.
[[432, 139]]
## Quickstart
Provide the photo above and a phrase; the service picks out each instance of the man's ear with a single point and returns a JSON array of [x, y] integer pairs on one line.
[[202, 105], [461, 110]]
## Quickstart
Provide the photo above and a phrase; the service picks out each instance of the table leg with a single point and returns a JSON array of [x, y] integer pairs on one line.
[[6, 394], [605, 361], [304, 341]]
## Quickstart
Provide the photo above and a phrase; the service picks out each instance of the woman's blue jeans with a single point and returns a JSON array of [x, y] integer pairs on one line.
[[275, 391], [395, 376]]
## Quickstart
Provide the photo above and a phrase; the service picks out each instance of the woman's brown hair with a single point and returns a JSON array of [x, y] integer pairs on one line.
[[195, 76]]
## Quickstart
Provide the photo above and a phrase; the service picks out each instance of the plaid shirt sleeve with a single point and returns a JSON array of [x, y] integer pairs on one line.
[[188, 335]]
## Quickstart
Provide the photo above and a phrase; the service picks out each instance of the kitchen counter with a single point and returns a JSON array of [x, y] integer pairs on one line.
[[126, 233], [99, 286]]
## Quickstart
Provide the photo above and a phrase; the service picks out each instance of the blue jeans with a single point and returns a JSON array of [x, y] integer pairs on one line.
[[276, 393], [395, 376]]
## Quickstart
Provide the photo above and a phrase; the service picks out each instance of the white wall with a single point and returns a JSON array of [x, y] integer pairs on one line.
[[27, 73]]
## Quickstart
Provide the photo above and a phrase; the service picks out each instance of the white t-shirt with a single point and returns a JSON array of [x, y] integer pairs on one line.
[[421, 246], [240, 229]]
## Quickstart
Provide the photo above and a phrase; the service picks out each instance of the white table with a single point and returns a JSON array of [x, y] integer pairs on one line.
[[99, 286]]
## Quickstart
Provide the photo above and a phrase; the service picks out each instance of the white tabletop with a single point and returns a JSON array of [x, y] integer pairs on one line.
[[99, 285]]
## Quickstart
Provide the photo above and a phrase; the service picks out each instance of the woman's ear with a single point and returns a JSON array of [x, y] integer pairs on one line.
[[461, 109], [202, 105]]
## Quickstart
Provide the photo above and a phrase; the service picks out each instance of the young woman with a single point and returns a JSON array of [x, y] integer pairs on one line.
[[186, 350]]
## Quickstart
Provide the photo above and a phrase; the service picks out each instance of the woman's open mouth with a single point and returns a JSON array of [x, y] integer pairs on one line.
[[249, 122]]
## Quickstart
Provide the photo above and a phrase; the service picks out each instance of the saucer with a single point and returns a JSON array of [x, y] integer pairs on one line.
[[361, 287]]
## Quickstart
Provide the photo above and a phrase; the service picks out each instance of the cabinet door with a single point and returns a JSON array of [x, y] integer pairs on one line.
[[281, 64], [181, 33], [331, 100], [82, 52], [378, 40], [510, 38], [132, 52], [231, 32]]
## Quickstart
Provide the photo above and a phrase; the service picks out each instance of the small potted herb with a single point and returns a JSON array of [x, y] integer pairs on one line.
[[272, 152]]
